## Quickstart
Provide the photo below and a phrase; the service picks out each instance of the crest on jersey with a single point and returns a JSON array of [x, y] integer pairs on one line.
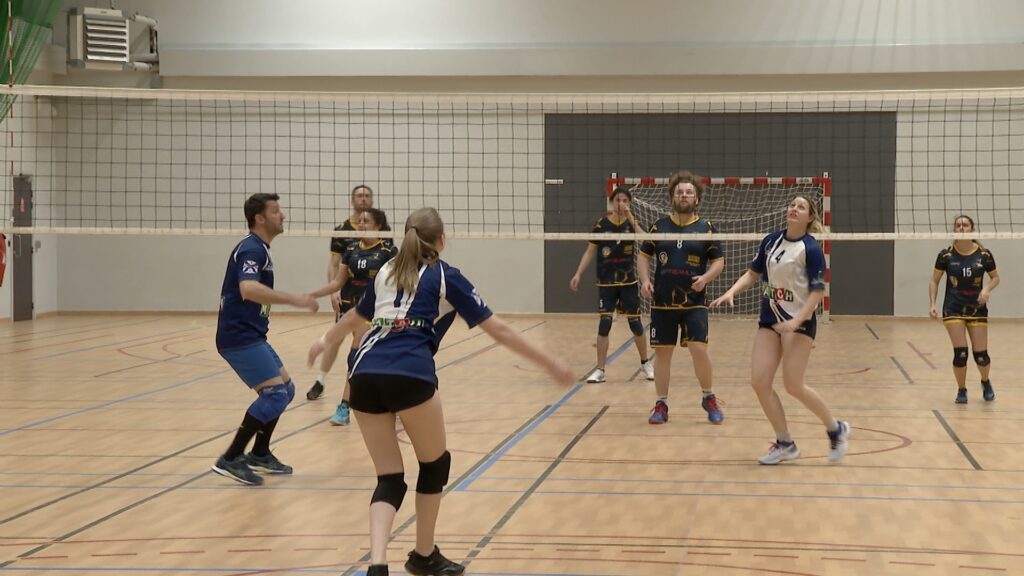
[[663, 257], [250, 267], [606, 251], [477, 298]]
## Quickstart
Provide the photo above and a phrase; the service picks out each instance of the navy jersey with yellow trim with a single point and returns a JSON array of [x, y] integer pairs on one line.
[[678, 261], [615, 266], [339, 245], [363, 263], [965, 276]]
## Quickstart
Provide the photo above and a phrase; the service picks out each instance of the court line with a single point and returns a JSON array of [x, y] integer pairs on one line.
[[611, 357], [868, 326], [921, 354], [111, 403], [904, 372], [533, 488], [956, 440], [76, 351]]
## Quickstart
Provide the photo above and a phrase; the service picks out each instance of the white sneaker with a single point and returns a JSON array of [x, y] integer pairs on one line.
[[648, 368], [839, 442], [596, 376], [779, 453]]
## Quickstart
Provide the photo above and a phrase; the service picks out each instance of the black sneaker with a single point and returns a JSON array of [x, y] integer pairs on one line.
[[434, 565], [316, 391], [377, 570], [237, 470], [268, 464], [987, 392], [961, 396]]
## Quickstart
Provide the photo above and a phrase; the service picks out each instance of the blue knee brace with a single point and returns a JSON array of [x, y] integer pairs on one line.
[[271, 402], [289, 387], [604, 326]]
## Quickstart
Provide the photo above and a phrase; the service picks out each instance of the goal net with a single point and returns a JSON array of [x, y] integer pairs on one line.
[[735, 206]]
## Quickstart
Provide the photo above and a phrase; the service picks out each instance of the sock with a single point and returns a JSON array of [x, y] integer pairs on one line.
[[322, 378], [644, 360], [663, 399], [986, 381], [785, 439], [833, 427], [245, 433], [261, 447], [707, 393]]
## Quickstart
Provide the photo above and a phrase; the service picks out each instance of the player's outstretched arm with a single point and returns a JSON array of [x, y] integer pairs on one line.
[[588, 255], [343, 327], [253, 291], [504, 334], [742, 284]]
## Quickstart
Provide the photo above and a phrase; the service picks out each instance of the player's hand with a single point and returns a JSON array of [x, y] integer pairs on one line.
[[336, 302], [561, 373], [574, 283], [725, 299], [647, 289], [315, 350], [983, 297], [306, 301], [790, 325], [698, 283], [933, 312]]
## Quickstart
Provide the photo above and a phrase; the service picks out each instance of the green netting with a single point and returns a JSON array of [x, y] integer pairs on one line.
[[30, 28]]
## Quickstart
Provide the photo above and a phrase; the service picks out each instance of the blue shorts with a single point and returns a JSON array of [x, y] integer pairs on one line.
[[809, 328], [670, 326], [254, 364], [624, 299]]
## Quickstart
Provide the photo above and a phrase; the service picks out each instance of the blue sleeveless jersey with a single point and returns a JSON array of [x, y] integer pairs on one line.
[[406, 329]]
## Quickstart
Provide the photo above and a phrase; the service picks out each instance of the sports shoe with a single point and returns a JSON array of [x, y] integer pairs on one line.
[[596, 376], [316, 391], [838, 442], [268, 464], [237, 470], [961, 396], [659, 415], [780, 453], [648, 368], [377, 570], [341, 415], [987, 392], [710, 405], [434, 565]]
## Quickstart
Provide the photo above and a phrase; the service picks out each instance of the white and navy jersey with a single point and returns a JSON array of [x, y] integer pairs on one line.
[[790, 270], [241, 322], [406, 329]]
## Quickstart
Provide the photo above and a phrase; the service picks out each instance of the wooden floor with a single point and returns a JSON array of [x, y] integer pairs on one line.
[[108, 426]]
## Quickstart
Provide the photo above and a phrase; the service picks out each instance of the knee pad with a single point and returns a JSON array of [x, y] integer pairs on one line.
[[289, 387], [960, 356], [604, 327], [981, 358], [391, 488], [271, 403], [434, 475], [636, 326]]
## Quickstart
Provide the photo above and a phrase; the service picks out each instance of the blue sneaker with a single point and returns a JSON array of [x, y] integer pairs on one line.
[[238, 470], [710, 405], [660, 413], [341, 416], [987, 392]]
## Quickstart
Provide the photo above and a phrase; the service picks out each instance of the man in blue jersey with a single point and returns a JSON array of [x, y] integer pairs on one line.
[[242, 324], [679, 312]]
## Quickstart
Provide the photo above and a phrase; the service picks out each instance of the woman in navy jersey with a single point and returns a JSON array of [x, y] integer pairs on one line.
[[359, 265], [791, 265], [410, 305], [965, 307]]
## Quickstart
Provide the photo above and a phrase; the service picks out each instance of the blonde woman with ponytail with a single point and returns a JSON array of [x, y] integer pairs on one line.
[[791, 265], [410, 305]]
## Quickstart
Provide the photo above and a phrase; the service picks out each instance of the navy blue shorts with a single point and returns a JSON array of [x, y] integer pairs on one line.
[[809, 328], [254, 364], [670, 327], [624, 299]]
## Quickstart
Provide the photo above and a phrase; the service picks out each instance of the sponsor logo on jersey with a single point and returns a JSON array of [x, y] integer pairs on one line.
[[777, 294]]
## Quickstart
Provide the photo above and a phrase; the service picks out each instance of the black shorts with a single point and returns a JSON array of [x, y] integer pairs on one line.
[[809, 328], [625, 299], [383, 393], [670, 326], [346, 305], [972, 315]]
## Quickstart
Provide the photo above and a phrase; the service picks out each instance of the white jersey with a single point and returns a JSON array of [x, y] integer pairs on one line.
[[790, 270]]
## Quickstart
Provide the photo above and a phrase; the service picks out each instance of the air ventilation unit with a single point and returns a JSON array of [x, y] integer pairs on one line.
[[101, 39]]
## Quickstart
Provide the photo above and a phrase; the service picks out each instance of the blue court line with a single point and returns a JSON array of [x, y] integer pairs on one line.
[[248, 570], [462, 486], [76, 351], [112, 402]]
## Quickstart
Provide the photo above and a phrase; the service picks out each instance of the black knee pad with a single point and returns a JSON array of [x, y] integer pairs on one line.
[[434, 475], [636, 326], [604, 326], [981, 358], [960, 356], [391, 488]]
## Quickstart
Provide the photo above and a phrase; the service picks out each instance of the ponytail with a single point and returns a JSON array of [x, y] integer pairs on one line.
[[423, 230]]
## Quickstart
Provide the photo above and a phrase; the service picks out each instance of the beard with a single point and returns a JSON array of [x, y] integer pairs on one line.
[[684, 207]]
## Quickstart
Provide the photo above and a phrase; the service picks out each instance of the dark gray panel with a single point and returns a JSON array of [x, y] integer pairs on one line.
[[858, 150]]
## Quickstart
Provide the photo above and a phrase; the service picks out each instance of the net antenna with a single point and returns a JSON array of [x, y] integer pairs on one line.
[[735, 205]]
